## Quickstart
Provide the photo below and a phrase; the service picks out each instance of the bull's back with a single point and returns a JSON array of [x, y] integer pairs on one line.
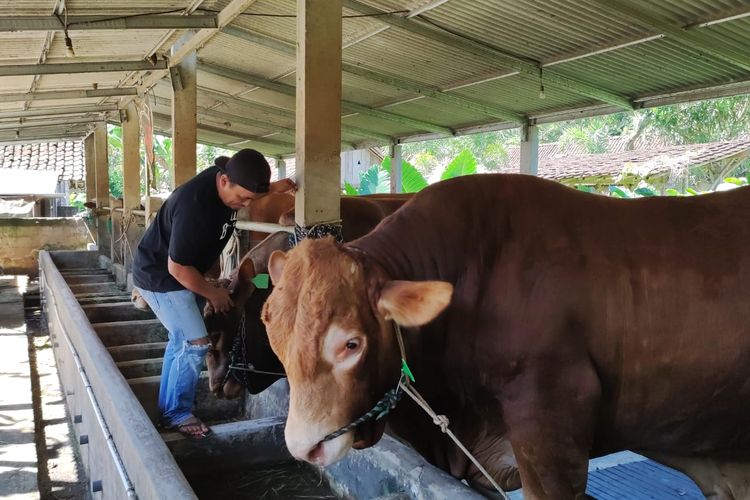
[[670, 323], [269, 208], [658, 288], [663, 290]]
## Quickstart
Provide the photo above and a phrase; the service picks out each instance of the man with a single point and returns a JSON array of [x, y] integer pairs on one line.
[[187, 236]]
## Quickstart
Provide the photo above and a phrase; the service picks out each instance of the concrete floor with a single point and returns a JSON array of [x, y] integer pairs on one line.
[[18, 464], [36, 456]]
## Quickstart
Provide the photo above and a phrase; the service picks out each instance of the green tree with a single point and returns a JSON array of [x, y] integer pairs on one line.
[[114, 160], [208, 153], [705, 121], [377, 179]]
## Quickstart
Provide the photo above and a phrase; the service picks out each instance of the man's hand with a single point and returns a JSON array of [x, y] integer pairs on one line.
[[282, 186], [220, 300]]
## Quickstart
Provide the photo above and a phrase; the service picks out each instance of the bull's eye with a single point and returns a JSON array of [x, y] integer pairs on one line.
[[352, 344]]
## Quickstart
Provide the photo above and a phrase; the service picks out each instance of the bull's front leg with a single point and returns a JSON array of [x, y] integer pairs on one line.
[[550, 412]]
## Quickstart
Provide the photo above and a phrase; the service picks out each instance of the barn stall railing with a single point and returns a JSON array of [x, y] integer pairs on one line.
[[123, 454]]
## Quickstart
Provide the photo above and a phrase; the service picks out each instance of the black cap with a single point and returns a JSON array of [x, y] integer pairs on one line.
[[221, 162], [248, 168]]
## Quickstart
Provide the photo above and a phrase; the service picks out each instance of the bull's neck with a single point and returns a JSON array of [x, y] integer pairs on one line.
[[407, 249]]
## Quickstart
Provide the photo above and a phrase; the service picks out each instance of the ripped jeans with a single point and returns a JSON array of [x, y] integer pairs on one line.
[[181, 314]]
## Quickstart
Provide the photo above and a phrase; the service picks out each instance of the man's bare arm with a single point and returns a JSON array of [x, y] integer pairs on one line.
[[190, 278]]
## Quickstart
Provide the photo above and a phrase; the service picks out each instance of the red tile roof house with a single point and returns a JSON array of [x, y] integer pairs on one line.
[[40, 175], [702, 166]]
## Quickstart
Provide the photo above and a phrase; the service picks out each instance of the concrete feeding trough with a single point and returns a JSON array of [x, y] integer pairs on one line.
[[109, 358]]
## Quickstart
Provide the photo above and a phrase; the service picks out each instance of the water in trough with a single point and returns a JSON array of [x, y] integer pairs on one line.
[[292, 480]]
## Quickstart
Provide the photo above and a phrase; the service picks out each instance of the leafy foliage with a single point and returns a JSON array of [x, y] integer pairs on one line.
[[411, 180], [374, 180], [77, 200], [706, 121], [463, 164], [489, 149], [377, 179], [164, 171], [116, 182], [645, 189]]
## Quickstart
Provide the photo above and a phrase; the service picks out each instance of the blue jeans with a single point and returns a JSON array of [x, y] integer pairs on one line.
[[181, 314]]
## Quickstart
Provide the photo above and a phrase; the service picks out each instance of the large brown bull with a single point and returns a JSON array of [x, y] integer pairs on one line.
[[549, 325]]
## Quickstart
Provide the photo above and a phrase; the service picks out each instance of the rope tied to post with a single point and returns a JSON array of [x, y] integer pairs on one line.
[[317, 231], [126, 249]]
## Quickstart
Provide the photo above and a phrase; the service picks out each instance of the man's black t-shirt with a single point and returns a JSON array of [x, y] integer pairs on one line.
[[192, 228]]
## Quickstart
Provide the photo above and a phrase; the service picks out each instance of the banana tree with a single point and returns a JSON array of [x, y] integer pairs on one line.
[[377, 179]]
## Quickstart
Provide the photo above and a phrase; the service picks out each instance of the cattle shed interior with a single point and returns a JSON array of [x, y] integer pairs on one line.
[[302, 79], [410, 70]]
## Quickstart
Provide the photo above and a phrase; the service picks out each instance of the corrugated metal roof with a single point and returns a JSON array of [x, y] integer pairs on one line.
[[593, 52]]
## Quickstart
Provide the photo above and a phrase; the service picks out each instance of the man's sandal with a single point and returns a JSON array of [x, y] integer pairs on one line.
[[192, 428]]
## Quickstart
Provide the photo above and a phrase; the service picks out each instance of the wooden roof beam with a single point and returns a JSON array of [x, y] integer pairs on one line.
[[59, 111], [283, 88], [224, 18], [230, 118], [232, 133], [227, 120], [523, 66], [87, 67], [68, 94], [387, 79], [286, 113], [434, 93], [39, 139], [48, 122], [198, 40], [133, 77], [79, 23]]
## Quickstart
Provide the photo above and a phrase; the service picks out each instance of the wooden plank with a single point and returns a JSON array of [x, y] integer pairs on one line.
[[131, 165], [184, 116], [88, 146], [131, 159], [318, 101], [101, 165]]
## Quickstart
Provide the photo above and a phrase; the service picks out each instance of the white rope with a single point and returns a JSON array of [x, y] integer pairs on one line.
[[439, 420], [127, 219], [230, 256]]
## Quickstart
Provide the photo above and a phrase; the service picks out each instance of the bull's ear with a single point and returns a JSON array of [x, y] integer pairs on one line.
[[246, 271], [276, 265], [414, 303]]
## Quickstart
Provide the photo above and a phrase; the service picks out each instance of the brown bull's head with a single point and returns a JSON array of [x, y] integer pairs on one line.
[[223, 329], [328, 321]]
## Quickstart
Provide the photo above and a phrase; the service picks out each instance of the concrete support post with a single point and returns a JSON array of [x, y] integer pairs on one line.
[[101, 166], [318, 101], [184, 117], [131, 165], [396, 177], [281, 168], [89, 153], [529, 149]]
